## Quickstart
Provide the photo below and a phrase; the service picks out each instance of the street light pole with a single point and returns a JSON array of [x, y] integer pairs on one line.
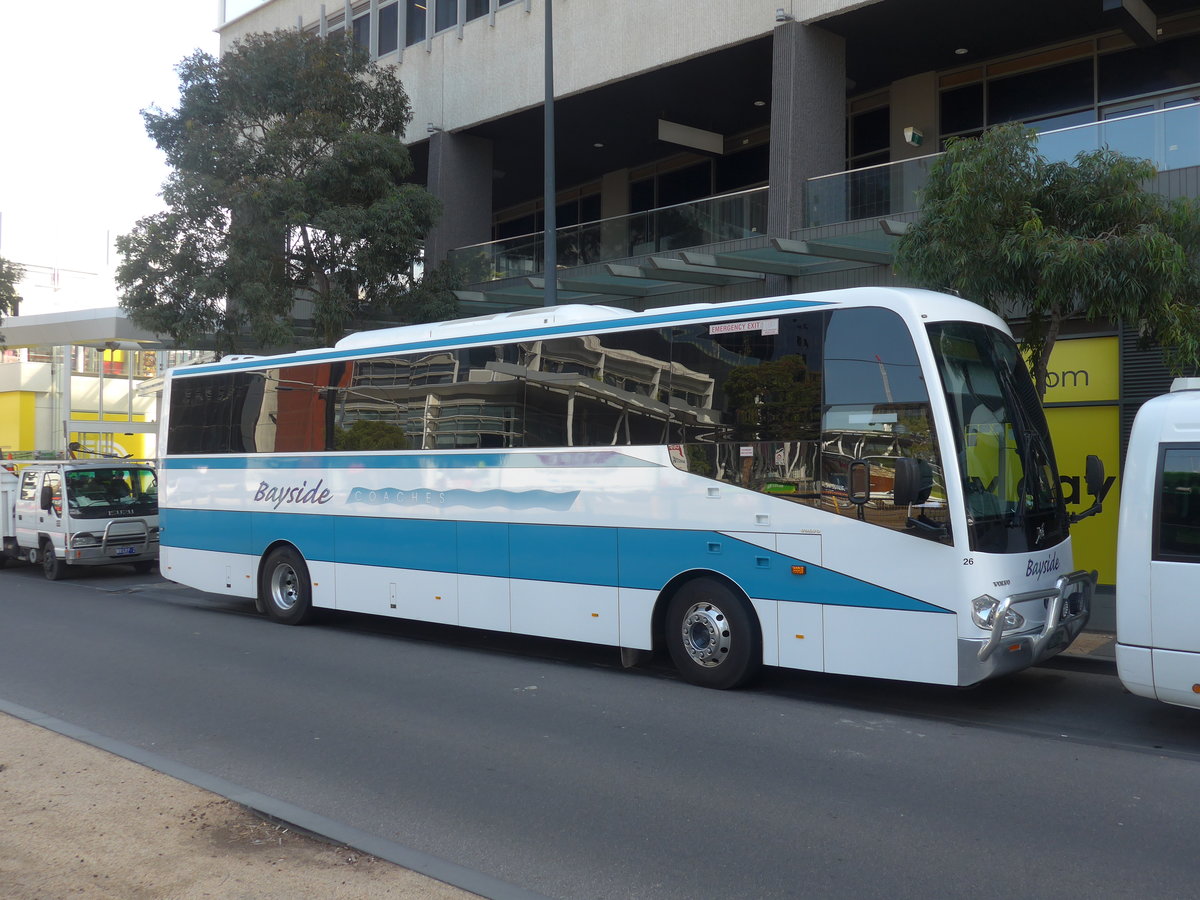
[[549, 213]]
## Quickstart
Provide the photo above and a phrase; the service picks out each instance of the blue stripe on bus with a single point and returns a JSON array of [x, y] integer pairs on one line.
[[635, 558], [693, 315], [587, 459]]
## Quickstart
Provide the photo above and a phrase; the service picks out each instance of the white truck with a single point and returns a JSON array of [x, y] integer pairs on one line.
[[1158, 550], [65, 513]]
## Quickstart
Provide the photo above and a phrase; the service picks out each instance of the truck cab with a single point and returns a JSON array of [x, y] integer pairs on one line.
[[81, 513]]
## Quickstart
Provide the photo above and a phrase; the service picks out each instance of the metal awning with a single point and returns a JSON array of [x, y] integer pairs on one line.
[[105, 328]]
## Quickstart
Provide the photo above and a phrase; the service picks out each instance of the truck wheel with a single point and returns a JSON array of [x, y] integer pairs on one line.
[[712, 635], [284, 587], [143, 566], [54, 568]]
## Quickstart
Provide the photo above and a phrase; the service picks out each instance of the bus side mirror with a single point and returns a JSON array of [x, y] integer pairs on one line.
[[1093, 478], [914, 482]]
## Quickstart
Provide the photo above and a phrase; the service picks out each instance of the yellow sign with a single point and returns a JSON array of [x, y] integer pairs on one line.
[[1077, 432], [1083, 370], [1087, 370]]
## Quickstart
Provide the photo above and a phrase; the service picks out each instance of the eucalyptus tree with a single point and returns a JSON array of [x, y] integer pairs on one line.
[[10, 277], [1043, 242], [288, 199]]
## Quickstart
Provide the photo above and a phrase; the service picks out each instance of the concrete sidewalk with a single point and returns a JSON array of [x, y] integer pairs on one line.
[[82, 822], [1096, 645]]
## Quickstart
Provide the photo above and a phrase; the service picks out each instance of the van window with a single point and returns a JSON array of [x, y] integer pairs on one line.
[[29, 484], [1177, 520], [54, 482], [106, 492]]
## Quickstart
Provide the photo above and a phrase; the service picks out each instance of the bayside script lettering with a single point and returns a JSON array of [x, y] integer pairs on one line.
[[1040, 567], [293, 496]]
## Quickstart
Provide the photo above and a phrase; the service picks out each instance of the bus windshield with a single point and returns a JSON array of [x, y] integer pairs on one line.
[[1010, 481], [109, 491]]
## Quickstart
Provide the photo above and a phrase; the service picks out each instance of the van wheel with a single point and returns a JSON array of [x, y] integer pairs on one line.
[[284, 587], [54, 568], [712, 635]]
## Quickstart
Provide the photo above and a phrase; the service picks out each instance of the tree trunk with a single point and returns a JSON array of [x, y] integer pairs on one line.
[[1042, 363]]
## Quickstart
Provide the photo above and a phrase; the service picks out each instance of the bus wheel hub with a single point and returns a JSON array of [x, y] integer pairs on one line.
[[706, 634]]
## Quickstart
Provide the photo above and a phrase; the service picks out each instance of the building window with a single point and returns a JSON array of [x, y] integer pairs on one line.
[[362, 31], [1148, 70], [1045, 92], [745, 169], [962, 109], [868, 137], [445, 15], [415, 15], [388, 22], [1069, 93], [476, 9]]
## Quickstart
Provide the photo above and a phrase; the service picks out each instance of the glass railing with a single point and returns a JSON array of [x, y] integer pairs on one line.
[[1170, 138], [882, 190], [710, 221]]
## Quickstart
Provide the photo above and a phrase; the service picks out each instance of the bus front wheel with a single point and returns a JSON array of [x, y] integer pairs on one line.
[[712, 635], [285, 588]]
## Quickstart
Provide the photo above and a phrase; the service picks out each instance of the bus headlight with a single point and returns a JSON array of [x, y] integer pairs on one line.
[[85, 539], [983, 611]]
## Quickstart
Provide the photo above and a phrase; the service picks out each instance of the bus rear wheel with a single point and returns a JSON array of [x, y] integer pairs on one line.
[[712, 635], [284, 587]]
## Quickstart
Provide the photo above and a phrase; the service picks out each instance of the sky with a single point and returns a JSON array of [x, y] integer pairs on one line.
[[76, 165]]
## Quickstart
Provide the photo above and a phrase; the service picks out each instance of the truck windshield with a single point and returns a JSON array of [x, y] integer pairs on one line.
[[108, 492], [1010, 481]]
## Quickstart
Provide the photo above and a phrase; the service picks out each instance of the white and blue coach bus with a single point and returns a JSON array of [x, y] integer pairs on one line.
[[858, 482]]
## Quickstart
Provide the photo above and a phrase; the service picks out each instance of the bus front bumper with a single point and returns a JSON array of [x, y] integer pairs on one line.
[[1068, 605]]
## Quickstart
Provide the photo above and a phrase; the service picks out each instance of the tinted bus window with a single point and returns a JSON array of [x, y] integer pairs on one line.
[[215, 413]]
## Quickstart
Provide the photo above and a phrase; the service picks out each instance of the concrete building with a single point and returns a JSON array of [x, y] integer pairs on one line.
[[666, 102], [721, 150]]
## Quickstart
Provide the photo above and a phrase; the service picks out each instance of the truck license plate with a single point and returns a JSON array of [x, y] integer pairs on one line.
[[125, 551]]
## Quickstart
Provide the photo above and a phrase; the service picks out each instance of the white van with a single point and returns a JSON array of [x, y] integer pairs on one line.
[[1158, 550], [81, 513]]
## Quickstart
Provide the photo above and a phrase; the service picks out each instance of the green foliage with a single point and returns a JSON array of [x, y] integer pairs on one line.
[[1047, 241], [10, 275], [369, 434], [288, 194]]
